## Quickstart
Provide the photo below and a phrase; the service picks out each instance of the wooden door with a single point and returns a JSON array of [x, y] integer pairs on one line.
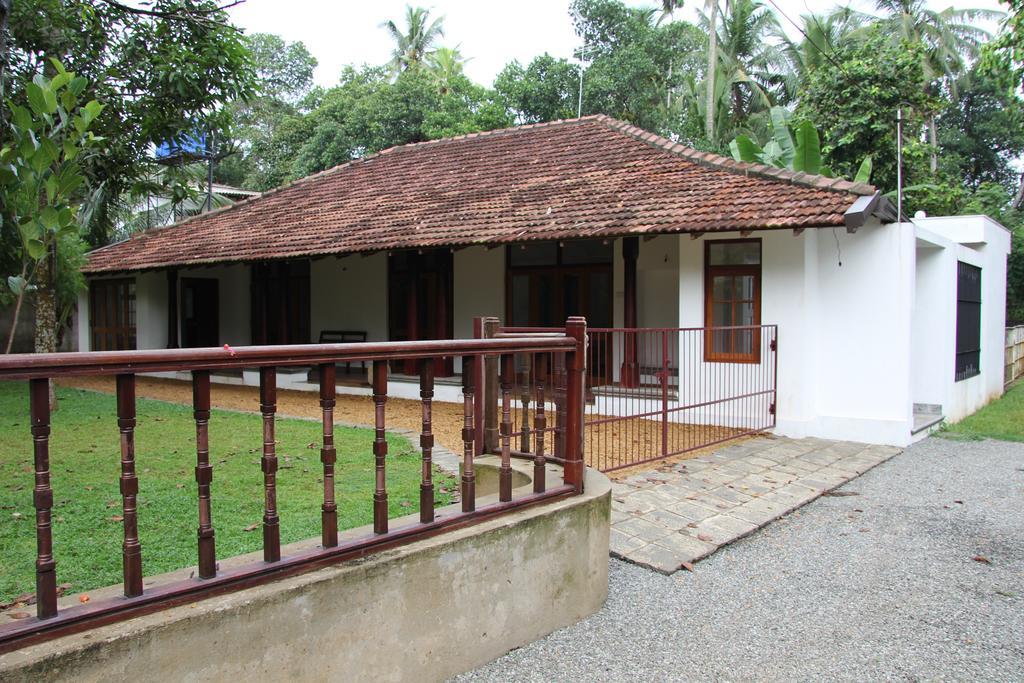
[[200, 312]]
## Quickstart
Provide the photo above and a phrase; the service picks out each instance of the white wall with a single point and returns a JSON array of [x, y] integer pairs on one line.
[[843, 331], [350, 293], [479, 287], [942, 242]]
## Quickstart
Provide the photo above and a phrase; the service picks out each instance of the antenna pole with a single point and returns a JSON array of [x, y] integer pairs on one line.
[[899, 163]]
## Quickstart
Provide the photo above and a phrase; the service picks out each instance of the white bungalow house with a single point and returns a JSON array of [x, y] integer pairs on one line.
[[883, 327]]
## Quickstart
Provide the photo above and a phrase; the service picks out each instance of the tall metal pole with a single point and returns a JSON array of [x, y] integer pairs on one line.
[[899, 163]]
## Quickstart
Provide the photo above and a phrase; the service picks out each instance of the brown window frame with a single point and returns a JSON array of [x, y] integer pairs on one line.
[[559, 269], [710, 271], [124, 336]]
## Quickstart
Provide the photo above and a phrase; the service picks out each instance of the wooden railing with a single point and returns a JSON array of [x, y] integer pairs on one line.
[[49, 622], [1014, 358]]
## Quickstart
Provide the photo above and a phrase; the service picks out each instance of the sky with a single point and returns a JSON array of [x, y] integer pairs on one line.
[[489, 33]]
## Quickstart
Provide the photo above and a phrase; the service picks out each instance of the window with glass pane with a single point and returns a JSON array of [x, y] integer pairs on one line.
[[732, 306]]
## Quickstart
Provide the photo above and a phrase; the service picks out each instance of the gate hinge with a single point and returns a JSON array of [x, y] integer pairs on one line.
[[774, 345], [771, 409]]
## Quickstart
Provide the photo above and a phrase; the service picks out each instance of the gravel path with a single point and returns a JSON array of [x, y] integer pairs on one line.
[[880, 585]]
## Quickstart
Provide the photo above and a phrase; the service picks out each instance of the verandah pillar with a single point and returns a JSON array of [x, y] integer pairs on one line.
[[630, 372], [172, 309]]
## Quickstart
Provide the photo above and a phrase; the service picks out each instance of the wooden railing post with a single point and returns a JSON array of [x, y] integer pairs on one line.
[[558, 389], [489, 391], [576, 328], [505, 472], [470, 403], [131, 553], [380, 447], [42, 499], [523, 382], [476, 366], [427, 441], [328, 456], [204, 472], [271, 521], [539, 425]]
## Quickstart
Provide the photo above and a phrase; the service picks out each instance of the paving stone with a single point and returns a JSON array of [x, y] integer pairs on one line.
[[618, 515], [656, 557], [722, 529], [667, 519], [622, 544], [642, 528], [714, 502], [731, 495], [631, 505], [686, 548], [759, 511], [692, 511]]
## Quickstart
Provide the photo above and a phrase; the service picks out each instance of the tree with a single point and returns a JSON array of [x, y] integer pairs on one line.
[[416, 41], [546, 90], [948, 39], [635, 62], [823, 35], [445, 66], [164, 69], [854, 101], [284, 83], [981, 132], [41, 175], [1005, 54]]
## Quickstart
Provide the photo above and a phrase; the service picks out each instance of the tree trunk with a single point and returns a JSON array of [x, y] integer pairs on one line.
[[46, 314], [5, 11], [17, 307], [709, 113], [933, 140]]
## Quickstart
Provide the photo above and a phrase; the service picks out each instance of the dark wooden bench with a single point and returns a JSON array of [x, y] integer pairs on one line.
[[344, 337]]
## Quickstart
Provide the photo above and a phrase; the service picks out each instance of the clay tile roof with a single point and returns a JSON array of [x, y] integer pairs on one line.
[[588, 177]]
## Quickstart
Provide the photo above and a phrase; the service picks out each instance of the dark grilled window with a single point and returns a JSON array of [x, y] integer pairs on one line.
[[968, 321]]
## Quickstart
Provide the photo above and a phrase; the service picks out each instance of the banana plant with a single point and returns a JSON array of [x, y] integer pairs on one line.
[[794, 147]]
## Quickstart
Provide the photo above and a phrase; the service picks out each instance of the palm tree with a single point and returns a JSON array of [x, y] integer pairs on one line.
[[445, 65], [823, 35], [951, 39], [709, 87], [416, 42], [754, 67]]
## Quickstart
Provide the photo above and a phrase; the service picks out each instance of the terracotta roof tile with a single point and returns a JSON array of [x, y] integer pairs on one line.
[[589, 177]]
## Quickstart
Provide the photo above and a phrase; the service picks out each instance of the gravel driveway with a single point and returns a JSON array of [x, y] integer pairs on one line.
[[880, 585]]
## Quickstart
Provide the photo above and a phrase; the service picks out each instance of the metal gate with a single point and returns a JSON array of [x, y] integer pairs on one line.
[[650, 392]]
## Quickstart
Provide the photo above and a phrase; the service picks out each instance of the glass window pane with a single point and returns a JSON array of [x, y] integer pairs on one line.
[[745, 288], [734, 253], [721, 315], [721, 287], [744, 314], [542, 254], [587, 251]]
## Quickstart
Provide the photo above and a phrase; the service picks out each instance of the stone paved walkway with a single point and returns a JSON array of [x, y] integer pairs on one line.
[[683, 512]]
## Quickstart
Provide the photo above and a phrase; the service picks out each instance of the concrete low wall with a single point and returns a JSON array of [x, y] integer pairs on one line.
[[422, 612]]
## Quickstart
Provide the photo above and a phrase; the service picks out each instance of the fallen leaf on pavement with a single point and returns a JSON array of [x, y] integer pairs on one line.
[[982, 559], [704, 537], [83, 598], [19, 615], [686, 565]]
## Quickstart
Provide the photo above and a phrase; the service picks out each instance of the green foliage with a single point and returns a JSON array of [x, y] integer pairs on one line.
[[545, 90], [1002, 419], [1005, 54], [981, 132], [163, 69], [855, 108], [41, 177], [796, 147], [635, 64], [414, 43]]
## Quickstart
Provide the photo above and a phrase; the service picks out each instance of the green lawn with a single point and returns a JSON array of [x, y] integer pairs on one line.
[[85, 464], [1002, 419]]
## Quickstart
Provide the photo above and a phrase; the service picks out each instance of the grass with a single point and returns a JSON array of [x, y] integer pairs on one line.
[[1002, 419], [85, 465]]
